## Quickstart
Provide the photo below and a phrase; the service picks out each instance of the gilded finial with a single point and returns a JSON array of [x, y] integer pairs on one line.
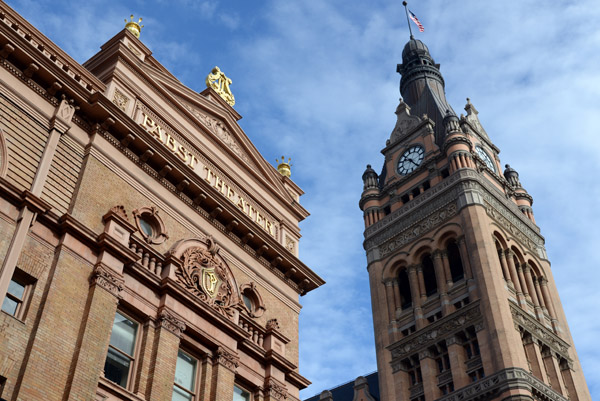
[[220, 83], [283, 167], [134, 27]]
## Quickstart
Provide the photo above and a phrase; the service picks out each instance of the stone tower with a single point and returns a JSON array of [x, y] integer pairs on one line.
[[464, 302]]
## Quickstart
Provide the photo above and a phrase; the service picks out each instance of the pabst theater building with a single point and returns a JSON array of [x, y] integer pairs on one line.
[[148, 250]]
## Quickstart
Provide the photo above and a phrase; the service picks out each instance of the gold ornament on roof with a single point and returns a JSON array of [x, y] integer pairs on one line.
[[134, 27], [283, 167], [220, 83]]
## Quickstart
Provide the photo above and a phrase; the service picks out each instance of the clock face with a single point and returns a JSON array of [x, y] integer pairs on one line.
[[488, 161], [411, 159]]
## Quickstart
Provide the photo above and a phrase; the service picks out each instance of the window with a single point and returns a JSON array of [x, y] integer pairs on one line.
[[150, 225], [240, 394], [429, 275], [252, 300], [404, 287], [121, 350], [184, 388], [456, 266], [17, 295]]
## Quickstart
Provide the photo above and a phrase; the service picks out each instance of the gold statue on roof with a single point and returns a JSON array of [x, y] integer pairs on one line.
[[220, 83], [283, 167], [134, 27]]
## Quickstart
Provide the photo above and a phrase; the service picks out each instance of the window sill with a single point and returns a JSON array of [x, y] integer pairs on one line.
[[109, 391], [13, 317]]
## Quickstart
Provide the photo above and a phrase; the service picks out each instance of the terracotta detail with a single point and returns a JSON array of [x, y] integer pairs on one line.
[[119, 210], [108, 279], [120, 100], [206, 275], [159, 234], [226, 358], [275, 389], [170, 322], [273, 324]]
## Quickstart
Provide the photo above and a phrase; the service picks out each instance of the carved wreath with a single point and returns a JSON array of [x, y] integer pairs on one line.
[[205, 274]]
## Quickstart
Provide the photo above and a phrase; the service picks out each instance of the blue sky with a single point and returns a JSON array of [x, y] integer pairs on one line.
[[316, 80]]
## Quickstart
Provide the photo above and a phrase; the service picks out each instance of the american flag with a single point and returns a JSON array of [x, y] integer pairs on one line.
[[416, 21]]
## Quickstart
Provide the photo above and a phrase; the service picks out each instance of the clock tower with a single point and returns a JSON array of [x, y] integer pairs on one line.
[[464, 303]]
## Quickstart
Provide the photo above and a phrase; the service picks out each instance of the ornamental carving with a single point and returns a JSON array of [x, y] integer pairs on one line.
[[170, 322], [218, 128], [436, 332], [119, 210], [506, 378], [227, 359], [272, 324], [105, 277], [204, 273], [275, 389], [538, 331], [120, 100], [405, 123]]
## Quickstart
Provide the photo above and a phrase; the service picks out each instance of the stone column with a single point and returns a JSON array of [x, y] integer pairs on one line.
[[513, 272], [538, 292], [469, 274], [456, 354], [447, 272], [416, 296], [396, 295], [401, 383], [166, 347], [421, 284], [529, 281], [429, 374], [224, 367], [547, 298], [505, 271], [389, 296], [438, 264], [522, 282], [566, 371]]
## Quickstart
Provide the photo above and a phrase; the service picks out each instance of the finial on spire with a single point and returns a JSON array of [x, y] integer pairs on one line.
[[283, 167], [134, 27]]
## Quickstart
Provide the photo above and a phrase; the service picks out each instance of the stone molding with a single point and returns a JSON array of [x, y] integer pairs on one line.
[[468, 316], [104, 277], [539, 332], [168, 321], [274, 389], [506, 379], [226, 358], [444, 200]]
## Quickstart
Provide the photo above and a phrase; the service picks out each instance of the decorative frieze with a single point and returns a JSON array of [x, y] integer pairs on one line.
[[170, 322], [467, 316], [537, 330], [103, 276]]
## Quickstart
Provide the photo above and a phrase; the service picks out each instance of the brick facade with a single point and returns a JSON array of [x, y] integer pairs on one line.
[[83, 178]]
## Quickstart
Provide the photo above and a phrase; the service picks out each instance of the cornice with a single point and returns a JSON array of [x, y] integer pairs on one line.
[[439, 203], [507, 379], [435, 332]]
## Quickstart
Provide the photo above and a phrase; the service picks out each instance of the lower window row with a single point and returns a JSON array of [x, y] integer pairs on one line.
[[121, 357]]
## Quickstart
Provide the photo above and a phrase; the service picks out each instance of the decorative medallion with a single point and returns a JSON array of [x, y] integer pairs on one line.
[[120, 100], [205, 273]]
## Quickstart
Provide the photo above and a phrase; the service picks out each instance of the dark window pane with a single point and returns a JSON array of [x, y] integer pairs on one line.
[[16, 289], [240, 394], [116, 368], [146, 227], [9, 306]]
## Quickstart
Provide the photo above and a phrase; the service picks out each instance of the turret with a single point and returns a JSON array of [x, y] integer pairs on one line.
[[369, 200], [522, 198]]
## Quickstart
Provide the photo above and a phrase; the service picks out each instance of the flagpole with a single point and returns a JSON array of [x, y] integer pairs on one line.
[[407, 20]]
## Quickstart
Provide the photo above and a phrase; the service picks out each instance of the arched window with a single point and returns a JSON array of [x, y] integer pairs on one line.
[[456, 266], [404, 286], [429, 275]]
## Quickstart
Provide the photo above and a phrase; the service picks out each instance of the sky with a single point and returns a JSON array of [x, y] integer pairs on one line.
[[316, 80]]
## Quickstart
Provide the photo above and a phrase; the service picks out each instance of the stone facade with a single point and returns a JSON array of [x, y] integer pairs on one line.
[[127, 196], [464, 303]]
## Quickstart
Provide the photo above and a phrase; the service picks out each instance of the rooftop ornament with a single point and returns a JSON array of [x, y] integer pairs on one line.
[[134, 27], [283, 167], [220, 83]]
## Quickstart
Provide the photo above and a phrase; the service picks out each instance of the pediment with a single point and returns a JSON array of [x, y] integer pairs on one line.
[[218, 120]]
